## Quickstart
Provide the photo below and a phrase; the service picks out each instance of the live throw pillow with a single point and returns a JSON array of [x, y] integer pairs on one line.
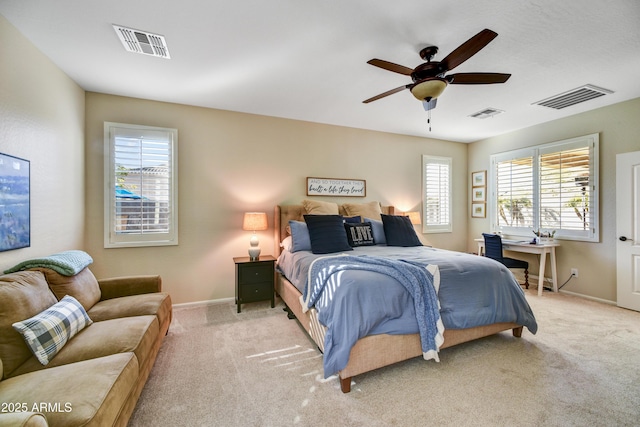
[[47, 332], [359, 234], [327, 234], [399, 231]]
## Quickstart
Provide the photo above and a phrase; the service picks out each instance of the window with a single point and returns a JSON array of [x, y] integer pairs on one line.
[[550, 187], [436, 193], [140, 186]]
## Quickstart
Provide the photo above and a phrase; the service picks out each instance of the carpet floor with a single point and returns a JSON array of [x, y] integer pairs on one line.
[[257, 368]]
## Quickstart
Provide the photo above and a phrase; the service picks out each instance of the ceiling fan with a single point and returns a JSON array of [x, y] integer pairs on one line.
[[429, 79]]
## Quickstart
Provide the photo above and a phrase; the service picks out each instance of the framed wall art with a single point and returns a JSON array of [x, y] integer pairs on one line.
[[478, 210], [336, 187], [15, 198], [478, 194], [479, 178]]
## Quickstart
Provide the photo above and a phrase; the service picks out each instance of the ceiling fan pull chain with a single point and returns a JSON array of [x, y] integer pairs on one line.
[[429, 119]]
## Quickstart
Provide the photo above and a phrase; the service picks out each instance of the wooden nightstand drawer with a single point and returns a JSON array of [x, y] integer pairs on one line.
[[256, 273], [256, 292]]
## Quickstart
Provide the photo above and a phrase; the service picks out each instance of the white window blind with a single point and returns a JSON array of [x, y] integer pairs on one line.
[[551, 187], [436, 184], [140, 195]]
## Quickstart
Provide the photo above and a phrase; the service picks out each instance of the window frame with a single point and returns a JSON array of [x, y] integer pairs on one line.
[[592, 142], [440, 227], [113, 239]]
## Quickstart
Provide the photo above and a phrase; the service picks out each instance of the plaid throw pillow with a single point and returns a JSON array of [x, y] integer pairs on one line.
[[46, 333]]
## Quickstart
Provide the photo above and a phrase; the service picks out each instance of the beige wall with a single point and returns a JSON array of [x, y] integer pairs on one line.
[[230, 163], [42, 120], [619, 129]]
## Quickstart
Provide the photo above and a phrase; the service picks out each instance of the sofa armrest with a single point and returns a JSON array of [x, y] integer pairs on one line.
[[23, 419], [116, 287]]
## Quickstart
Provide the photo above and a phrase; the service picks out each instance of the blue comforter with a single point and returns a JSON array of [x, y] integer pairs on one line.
[[473, 291]]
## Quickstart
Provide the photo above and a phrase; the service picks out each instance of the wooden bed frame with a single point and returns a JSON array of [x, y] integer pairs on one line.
[[373, 351]]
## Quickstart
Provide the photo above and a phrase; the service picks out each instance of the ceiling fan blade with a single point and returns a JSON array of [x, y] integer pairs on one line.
[[387, 93], [390, 66], [477, 78], [469, 48]]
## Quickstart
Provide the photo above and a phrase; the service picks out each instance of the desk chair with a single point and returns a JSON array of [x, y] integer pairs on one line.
[[493, 250]]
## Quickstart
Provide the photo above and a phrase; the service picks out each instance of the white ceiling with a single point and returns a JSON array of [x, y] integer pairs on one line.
[[307, 60]]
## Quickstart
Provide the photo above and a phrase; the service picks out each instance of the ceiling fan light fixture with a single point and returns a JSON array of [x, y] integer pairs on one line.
[[429, 89]]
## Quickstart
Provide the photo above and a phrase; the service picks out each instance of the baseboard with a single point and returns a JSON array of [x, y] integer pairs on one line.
[[602, 300], [203, 303]]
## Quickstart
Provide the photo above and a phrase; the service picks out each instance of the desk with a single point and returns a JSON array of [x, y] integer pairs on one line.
[[541, 249]]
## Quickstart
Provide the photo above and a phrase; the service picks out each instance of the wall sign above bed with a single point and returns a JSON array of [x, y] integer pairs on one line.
[[336, 187]]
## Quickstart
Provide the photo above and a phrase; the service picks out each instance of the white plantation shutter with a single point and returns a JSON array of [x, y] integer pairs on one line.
[[514, 189], [551, 187], [436, 204], [140, 195]]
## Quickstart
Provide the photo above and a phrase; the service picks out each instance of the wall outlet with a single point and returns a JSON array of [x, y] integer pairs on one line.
[[574, 272]]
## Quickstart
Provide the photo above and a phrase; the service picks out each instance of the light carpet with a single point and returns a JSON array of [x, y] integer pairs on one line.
[[257, 368]]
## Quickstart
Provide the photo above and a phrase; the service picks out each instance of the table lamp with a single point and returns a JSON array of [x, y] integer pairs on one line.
[[254, 221], [414, 217]]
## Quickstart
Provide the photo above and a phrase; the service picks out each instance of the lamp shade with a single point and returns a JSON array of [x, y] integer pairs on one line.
[[414, 217], [254, 221], [429, 89]]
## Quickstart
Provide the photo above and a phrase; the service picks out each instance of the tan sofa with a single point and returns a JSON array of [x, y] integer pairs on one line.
[[98, 375]]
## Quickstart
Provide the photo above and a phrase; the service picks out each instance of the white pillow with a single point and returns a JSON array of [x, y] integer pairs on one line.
[[286, 243]]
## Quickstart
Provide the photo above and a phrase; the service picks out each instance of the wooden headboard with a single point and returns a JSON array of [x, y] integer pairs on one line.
[[284, 213]]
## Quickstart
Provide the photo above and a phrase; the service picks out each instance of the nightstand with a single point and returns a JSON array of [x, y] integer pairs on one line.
[[255, 279]]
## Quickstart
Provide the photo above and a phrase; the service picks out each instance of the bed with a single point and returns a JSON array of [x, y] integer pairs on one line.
[[389, 344]]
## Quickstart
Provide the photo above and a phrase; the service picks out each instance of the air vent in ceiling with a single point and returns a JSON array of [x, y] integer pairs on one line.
[[142, 42], [573, 97], [487, 112]]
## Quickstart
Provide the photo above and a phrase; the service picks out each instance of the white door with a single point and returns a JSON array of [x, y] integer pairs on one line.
[[628, 229]]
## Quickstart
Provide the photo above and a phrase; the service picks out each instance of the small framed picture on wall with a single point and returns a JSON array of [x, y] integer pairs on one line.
[[478, 194], [479, 178], [478, 210]]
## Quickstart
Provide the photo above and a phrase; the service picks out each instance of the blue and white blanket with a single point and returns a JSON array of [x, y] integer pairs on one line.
[[418, 280]]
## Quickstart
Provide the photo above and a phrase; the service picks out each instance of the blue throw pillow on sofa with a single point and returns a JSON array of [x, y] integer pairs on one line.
[[327, 234]]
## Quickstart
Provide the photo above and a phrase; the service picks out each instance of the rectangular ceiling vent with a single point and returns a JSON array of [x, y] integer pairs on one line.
[[487, 112], [573, 97], [137, 41]]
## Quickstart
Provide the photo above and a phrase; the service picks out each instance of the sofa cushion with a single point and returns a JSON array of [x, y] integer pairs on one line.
[[47, 332], [129, 334], [157, 304], [88, 393], [82, 286], [22, 295]]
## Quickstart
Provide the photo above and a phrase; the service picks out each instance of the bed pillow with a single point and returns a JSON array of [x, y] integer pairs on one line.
[[359, 234], [287, 243], [47, 332], [327, 234], [353, 219], [316, 207], [366, 210], [378, 231], [300, 240], [399, 231]]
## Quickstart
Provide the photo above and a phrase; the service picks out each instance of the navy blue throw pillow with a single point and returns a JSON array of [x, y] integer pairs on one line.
[[359, 234], [327, 234], [399, 231], [353, 219]]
